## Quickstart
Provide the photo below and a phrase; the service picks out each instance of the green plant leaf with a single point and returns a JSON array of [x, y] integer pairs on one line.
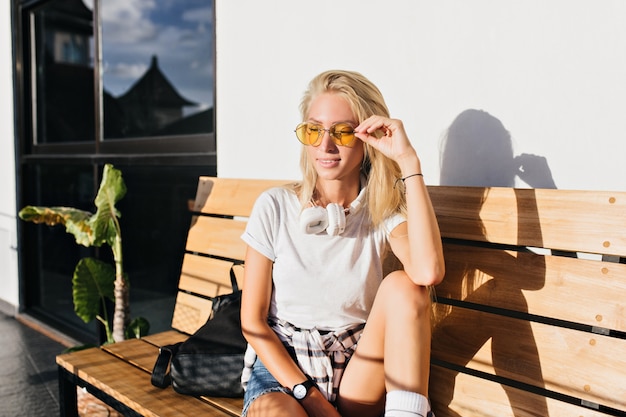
[[76, 221], [137, 328], [103, 222], [93, 281]]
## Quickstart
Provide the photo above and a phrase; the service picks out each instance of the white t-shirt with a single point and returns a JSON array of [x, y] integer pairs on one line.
[[320, 281]]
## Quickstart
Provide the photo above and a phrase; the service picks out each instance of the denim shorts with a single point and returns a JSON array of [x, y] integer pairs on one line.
[[261, 382]]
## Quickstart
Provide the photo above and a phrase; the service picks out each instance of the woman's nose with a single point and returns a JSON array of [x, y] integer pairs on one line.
[[327, 142]]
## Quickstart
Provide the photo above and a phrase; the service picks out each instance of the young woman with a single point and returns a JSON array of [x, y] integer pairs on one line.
[[328, 334]]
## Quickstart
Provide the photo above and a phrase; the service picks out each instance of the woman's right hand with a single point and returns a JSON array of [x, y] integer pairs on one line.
[[387, 136]]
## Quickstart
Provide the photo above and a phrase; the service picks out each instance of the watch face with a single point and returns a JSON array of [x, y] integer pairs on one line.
[[299, 391]]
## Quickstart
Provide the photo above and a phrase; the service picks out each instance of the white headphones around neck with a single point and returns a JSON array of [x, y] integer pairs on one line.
[[332, 218]]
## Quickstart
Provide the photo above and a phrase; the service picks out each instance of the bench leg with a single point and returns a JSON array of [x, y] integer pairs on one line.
[[67, 394]]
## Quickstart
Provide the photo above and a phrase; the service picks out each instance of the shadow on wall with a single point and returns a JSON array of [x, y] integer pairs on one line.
[[478, 151]]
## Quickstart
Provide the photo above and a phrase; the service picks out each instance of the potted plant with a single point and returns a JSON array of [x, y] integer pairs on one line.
[[94, 281]]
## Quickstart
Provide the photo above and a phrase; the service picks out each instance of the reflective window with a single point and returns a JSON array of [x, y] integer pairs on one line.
[[157, 67], [127, 82], [63, 73]]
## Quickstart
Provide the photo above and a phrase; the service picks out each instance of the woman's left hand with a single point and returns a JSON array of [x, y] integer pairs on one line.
[[386, 135]]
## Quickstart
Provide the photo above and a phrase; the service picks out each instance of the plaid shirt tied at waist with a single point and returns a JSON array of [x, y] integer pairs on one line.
[[321, 356]]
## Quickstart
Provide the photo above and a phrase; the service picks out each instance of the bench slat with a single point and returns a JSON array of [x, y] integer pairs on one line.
[[131, 386], [577, 290], [584, 221], [205, 276], [536, 354], [455, 395], [168, 337], [230, 196], [217, 237], [137, 352]]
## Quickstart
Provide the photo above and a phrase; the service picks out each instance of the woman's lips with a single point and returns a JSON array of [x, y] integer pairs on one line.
[[328, 163]]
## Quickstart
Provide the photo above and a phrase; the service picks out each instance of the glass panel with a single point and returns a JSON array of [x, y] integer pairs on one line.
[[155, 219], [63, 72], [50, 253], [157, 68]]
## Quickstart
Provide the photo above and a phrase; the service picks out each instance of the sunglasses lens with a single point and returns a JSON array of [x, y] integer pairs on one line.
[[308, 133], [343, 133], [303, 134]]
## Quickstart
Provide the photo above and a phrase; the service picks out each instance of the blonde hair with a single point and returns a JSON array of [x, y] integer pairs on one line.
[[365, 99]]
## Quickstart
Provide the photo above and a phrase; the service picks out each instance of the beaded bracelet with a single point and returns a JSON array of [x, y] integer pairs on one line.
[[407, 177]]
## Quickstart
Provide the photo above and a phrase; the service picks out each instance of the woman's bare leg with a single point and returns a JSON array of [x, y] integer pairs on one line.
[[276, 404], [394, 350]]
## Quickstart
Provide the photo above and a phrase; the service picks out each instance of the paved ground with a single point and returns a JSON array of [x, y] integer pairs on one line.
[[28, 373]]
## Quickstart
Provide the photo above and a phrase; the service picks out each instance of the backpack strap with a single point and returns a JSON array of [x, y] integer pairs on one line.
[[233, 278], [160, 374]]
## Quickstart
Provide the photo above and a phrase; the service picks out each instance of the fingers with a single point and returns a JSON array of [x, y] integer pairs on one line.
[[384, 134], [378, 126]]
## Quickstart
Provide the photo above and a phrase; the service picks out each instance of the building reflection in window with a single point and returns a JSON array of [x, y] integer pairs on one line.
[[157, 67]]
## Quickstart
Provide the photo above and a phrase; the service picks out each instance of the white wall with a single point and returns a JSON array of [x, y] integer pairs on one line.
[[9, 295], [552, 72]]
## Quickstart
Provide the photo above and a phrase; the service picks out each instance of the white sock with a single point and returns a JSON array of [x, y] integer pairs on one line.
[[406, 404]]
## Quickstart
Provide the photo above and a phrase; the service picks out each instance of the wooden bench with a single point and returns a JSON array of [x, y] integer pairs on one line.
[[519, 331], [530, 332]]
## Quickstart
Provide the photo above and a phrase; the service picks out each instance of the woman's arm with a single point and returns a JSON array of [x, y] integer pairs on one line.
[[255, 303], [257, 291], [417, 242]]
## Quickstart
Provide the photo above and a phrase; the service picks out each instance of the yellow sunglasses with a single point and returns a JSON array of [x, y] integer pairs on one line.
[[311, 134]]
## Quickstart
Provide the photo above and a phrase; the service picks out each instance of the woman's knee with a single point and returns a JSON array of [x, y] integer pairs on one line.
[[402, 294]]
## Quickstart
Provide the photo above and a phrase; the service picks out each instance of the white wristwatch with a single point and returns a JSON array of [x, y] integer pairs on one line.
[[301, 390]]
